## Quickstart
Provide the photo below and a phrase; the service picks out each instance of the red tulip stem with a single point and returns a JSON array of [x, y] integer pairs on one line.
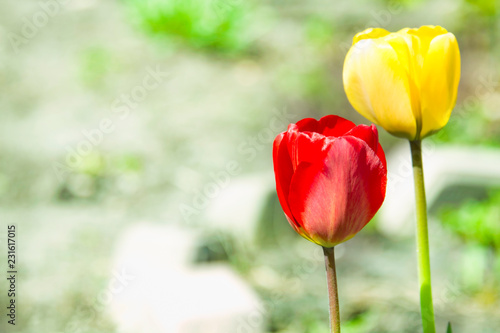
[[333, 296], [424, 265]]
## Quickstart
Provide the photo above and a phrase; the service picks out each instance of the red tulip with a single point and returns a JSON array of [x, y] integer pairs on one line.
[[331, 177]]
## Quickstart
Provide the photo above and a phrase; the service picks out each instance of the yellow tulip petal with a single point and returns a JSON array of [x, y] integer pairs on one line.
[[404, 48], [370, 33], [440, 78], [377, 85], [426, 31], [405, 81], [424, 35]]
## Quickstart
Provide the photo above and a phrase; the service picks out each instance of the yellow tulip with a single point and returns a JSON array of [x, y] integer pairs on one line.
[[404, 81]]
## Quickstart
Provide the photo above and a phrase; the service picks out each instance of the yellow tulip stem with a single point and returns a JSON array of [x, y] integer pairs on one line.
[[333, 296], [424, 266]]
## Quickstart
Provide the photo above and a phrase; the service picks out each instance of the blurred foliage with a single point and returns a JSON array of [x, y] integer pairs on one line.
[[486, 8], [469, 125], [272, 227], [481, 29], [319, 31], [214, 25], [476, 221], [218, 246], [99, 174], [96, 63]]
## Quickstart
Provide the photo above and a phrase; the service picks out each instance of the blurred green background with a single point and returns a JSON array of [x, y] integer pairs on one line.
[[119, 112]]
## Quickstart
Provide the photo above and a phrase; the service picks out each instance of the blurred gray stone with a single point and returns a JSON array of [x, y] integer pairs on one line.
[[444, 167], [167, 294], [239, 206]]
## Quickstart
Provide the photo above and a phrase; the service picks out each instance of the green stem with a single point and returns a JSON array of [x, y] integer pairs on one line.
[[333, 296], [424, 266]]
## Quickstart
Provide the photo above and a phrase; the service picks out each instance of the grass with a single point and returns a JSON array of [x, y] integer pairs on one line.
[[216, 26]]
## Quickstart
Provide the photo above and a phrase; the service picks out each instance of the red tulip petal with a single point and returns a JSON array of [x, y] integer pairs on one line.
[[369, 134], [335, 199], [283, 170], [332, 125], [306, 147], [381, 156], [298, 229], [307, 125]]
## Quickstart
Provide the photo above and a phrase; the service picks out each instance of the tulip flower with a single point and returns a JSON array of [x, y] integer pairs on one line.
[[404, 81], [407, 83], [330, 177]]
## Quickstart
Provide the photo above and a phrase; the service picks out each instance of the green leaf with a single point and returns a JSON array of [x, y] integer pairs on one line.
[[449, 328]]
